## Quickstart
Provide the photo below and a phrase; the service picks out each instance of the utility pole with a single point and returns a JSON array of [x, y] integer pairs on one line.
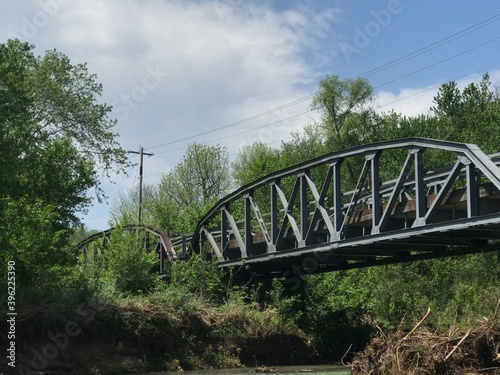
[[141, 157]]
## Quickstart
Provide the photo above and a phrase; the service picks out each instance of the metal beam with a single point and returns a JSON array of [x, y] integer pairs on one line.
[[236, 234], [288, 205], [441, 195], [403, 175], [354, 200], [374, 159], [320, 208], [213, 243], [338, 212]]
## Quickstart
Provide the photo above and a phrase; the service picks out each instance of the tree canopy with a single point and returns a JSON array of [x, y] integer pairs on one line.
[[55, 141]]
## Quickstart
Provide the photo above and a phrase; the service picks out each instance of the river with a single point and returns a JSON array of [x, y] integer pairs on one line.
[[281, 370]]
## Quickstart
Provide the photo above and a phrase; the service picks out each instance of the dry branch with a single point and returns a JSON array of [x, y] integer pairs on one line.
[[418, 324], [456, 346]]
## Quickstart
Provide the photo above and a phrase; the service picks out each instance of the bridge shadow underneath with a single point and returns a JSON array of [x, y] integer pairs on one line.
[[383, 203]]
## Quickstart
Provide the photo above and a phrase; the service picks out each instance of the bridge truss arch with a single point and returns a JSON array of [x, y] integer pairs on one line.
[[154, 239], [386, 202]]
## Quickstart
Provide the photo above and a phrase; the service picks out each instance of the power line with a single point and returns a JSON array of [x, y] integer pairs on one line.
[[242, 132], [439, 62], [385, 66], [439, 84], [433, 46], [239, 122], [305, 112]]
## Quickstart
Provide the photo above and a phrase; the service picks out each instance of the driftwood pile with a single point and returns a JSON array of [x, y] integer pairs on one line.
[[422, 351]]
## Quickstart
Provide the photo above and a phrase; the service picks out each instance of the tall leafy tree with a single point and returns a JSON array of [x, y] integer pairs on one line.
[[345, 110], [55, 137], [253, 162], [469, 115], [346, 114], [203, 174]]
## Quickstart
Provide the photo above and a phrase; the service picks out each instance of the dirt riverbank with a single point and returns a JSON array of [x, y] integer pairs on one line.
[[126, 338], [136, 338]]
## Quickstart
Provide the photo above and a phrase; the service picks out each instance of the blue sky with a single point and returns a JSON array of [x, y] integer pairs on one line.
[[176, 69]]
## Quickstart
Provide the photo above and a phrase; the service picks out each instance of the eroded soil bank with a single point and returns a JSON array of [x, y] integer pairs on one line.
[[126, 338]]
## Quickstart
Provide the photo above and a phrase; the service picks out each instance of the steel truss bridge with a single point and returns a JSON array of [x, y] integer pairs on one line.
[[382, 203]]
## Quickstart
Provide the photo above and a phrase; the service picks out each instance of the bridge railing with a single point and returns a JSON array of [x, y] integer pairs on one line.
[[311, 205], [93, 246]]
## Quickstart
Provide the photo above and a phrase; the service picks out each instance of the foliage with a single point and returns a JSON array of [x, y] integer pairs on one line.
[[50, 121], [342, 104], [32, 237], [200, 277], [347, 119], [127, 268], [203, 174], [471, 115], [253, 162], [54, 137]]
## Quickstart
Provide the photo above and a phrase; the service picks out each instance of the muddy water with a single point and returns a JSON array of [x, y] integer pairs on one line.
[[288, 370]]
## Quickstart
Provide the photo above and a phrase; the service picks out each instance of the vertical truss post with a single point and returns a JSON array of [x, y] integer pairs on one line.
[[304, 209], [248, 222], [184, 245], [274, 212], [224, 236], [203, 239], [354, 200], [472, 191], [420, 194], [338, 215], [374, 159], [162, 258]]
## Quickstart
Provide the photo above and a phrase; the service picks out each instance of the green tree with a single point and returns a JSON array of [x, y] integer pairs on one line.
[[202, 174], [303, 146], [54, 139], [347, 118], [470, 115], [127, 267], [253, 162], [345, 107]]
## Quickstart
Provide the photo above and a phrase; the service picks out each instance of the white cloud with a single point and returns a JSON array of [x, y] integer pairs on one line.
[[408, 101], [216, 61], [224, 62]]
